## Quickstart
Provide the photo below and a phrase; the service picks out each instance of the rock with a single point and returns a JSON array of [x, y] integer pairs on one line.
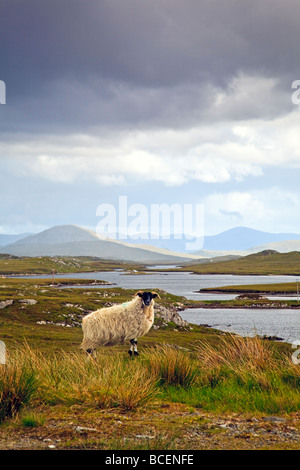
[[5, 303], [272, 338], [274, 419], [82, 429], [28, 301], [169, 315], [251, 296]]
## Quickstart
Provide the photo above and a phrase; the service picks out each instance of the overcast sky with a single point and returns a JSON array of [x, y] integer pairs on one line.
[[162, 101]]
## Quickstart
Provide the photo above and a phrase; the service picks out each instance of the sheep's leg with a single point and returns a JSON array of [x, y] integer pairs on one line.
[[91, 353], [133, 348], [130, 352]]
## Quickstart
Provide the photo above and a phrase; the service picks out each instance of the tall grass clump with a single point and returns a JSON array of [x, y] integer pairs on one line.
[[18, 384], [110, 381], [172, 366], [235, 353], [242, 374]]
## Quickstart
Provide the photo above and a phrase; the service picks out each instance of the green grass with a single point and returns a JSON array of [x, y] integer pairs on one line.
[[48, 264], [274, 288], [18, 385], [241, 375], [32, 419]]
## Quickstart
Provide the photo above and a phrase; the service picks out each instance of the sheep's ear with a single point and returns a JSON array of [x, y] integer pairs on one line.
[[154, 294], [139, 293]]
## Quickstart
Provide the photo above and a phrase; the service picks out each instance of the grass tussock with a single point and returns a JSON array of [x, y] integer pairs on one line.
[[172, 366], [18, 385], [72, 378], [32, 419], [239, 355], [248, 374]]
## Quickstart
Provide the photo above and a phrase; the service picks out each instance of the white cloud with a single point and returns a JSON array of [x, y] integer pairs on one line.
[[207, 164], [271, 209], [249, 97], [231, 148]]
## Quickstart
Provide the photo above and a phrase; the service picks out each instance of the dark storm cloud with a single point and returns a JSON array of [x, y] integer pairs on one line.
[[103, 61], [155, 42]]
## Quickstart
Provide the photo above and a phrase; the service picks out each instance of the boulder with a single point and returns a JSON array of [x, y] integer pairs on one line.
[[169, 315], [28, 301], [5, 303]]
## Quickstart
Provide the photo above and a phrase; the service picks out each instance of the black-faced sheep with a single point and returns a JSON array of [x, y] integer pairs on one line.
[[119, 323]]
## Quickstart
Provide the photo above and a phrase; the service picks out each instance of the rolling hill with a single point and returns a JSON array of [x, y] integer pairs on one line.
[[71, 240], [282, 247]]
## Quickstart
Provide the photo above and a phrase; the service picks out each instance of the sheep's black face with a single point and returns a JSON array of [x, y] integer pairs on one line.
[[147, 297]]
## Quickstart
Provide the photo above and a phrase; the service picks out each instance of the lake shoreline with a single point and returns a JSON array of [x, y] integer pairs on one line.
[[238, 306], [223, 304]]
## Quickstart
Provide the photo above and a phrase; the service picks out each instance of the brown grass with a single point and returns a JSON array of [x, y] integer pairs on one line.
[[172, 366], [110, 381]]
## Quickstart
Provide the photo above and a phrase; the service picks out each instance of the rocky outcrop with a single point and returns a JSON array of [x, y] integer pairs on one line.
[[28, 301], [251, 296], [164, 315], [5, 303]]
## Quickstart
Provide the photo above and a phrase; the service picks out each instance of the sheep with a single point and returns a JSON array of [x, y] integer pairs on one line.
[[119, 323]]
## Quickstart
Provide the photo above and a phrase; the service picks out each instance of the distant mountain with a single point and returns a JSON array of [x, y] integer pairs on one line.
[[241, 241], [281, 247], [243, 238], [236, 241], [71, 240], [177, 245], [5, 239], [59, 234]]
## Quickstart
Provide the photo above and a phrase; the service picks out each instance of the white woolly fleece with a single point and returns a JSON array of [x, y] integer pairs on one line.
[[116, 324]]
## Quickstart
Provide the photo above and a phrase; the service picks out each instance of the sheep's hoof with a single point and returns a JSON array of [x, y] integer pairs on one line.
[[134, 353]]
